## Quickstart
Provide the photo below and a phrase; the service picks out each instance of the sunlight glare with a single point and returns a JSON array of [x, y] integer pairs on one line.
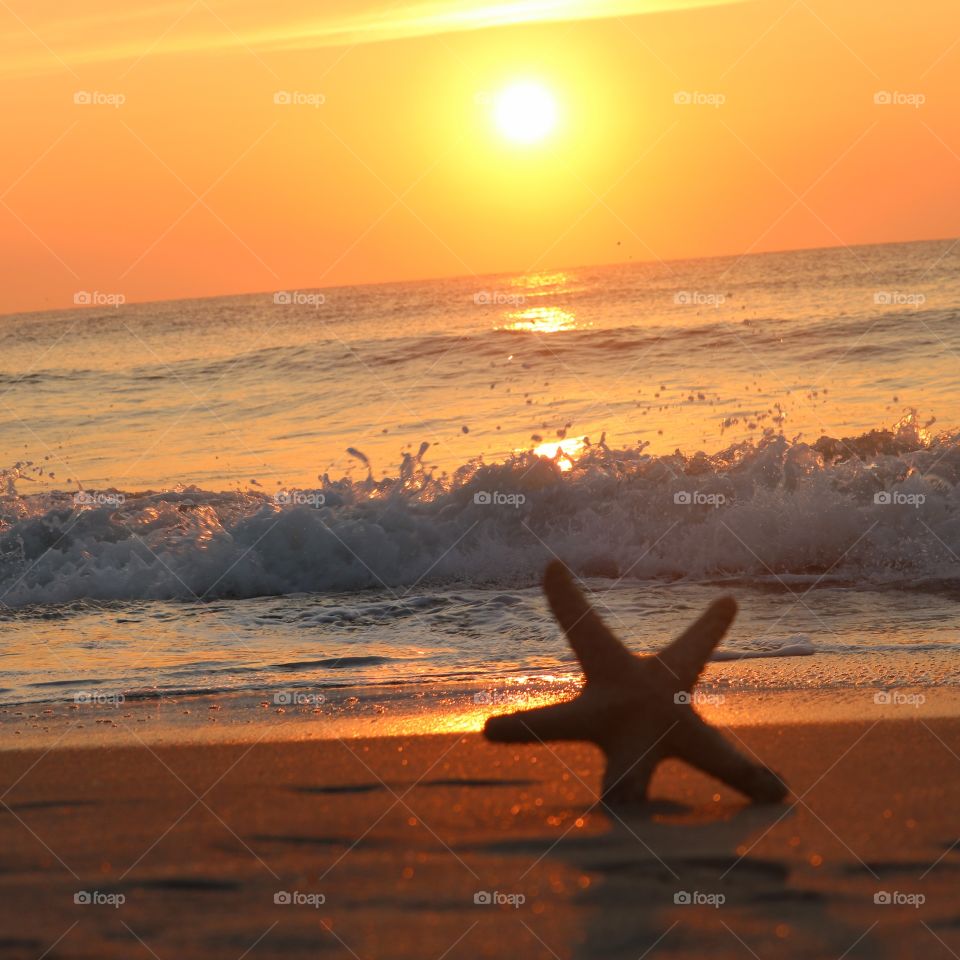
[[541, 320], [525, 112], [563, 451]]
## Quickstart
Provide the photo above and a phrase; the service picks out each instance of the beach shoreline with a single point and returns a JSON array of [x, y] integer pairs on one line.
[[405, 710]]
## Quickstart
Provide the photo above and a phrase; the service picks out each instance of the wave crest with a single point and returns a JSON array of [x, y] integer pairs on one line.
[[879, 508]]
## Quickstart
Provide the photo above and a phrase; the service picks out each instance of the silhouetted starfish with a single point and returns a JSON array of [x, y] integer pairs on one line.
[[637, 708]]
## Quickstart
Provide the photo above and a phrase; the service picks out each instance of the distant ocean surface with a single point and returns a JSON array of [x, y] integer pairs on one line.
[[361, 485]]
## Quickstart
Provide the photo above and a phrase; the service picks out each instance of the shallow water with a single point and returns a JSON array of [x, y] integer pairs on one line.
[[486, 639]]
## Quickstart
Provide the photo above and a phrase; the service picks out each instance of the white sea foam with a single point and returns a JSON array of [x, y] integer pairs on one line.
[[879, 509]]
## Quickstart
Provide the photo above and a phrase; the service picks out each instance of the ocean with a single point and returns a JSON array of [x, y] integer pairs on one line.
[[325, 492]]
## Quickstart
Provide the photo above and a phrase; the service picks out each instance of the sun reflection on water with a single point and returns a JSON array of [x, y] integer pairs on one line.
[[537, 281], [541, 320], [565, 452]]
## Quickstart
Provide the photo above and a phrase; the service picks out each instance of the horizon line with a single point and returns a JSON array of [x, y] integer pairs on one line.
[[436, 278]]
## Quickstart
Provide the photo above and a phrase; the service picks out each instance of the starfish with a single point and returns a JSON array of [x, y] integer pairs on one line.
[[637, 709]]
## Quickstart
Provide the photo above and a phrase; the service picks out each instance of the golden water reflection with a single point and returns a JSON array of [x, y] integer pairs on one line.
[[537, 281], [565, 452], [541, 320]]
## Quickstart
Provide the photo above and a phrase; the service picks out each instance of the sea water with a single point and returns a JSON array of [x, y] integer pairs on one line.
[[359, 487]]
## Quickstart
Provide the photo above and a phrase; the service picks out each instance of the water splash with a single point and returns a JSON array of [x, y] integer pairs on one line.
[[879, 508]]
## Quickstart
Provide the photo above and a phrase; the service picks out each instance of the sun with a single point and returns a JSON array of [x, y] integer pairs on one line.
[[525, 112]]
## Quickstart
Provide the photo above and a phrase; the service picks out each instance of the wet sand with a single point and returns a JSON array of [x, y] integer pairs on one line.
[[444, 846]]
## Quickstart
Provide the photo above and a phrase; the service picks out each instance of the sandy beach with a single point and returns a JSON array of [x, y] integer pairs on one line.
[[447, 846]]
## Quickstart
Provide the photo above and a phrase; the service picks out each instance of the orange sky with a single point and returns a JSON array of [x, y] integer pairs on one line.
[[198, 184]]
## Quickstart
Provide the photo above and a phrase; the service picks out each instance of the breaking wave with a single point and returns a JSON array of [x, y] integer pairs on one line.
[[881, 508]]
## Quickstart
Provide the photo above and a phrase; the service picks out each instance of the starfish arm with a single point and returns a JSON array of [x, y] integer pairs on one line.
[[627, 776], [686, 657], [600, 653], [559, 721], [706, 748]]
